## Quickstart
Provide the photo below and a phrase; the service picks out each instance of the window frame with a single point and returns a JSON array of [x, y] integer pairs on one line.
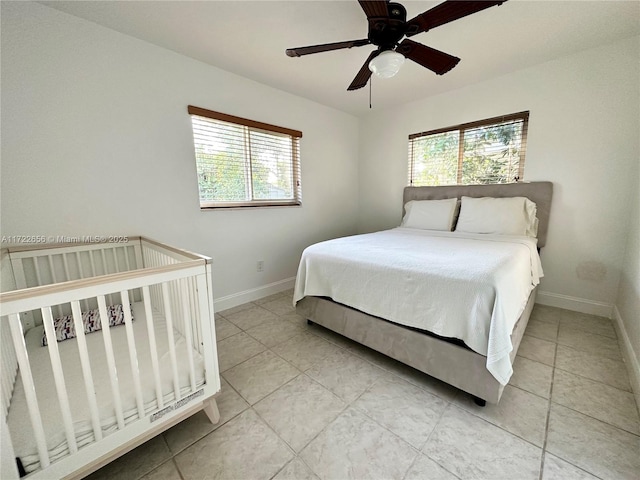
[[294, 135], [461, 128]]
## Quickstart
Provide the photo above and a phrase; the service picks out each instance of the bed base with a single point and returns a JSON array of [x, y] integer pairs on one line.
[[451, 363], [446, 361]]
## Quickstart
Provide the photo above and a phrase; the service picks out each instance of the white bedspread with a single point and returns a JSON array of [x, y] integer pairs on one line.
[[467, 286], [18, 419]]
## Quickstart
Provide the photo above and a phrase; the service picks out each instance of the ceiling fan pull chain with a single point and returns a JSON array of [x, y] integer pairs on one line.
[[370, 82]]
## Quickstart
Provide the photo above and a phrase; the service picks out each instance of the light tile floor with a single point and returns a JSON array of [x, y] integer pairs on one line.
[[300, 402]]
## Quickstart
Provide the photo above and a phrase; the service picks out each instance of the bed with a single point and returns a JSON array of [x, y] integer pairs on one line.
[[453, 305], [78, 391]]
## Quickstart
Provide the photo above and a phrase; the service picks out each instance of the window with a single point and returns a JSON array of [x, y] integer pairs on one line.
[[244, 163], [487, 151]]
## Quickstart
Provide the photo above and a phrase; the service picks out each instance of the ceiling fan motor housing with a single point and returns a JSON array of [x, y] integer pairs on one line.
[[386, 32]]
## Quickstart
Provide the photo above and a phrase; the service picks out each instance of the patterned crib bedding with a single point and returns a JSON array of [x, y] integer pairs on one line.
[[65, 328], [19, 420]]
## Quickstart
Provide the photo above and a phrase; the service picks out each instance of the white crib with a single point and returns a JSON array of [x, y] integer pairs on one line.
[[73, 406]]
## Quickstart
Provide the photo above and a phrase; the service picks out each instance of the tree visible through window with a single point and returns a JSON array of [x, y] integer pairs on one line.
[[487, 151], [241, 162]]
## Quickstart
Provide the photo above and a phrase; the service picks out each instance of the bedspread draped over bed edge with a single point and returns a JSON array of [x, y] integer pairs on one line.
[[472, 287]]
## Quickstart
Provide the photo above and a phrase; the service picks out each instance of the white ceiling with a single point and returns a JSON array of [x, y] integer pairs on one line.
[[249, 38]]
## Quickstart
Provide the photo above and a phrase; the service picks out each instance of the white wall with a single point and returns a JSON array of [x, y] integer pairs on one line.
[[627, 312], [583, 136], [96, 140]]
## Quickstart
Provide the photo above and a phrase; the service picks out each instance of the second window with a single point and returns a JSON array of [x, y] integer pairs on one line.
[[486, 151]]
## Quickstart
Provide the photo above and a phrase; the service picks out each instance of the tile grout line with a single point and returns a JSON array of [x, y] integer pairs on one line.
[[302, 372], [429, 438], [175, 464], [350, 405], [573, 410], [592, 379], [587, 378], [597, 419], [475, 414], [216, 427], [297, 454], [546, 427]]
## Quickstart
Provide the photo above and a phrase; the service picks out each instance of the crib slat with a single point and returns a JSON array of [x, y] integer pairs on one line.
[[152, 344], [133, 355], [106, 271], [137, 251], [187, 282], [196, 314], [92, 263], [126, 257], [55, 280], [115, 259], [6, 374], [81, 273], [86, 370], [77, 255], [53, 273], [29, 389], [187, 332], [172, 342], [65, 264], [61, 389], [175, 287], [37, 269], [111, 362], [154, 299], [17, 266], [208, 330], [9, 366]]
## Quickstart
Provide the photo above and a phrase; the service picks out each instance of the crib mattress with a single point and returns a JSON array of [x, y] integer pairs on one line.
[[19, 421]]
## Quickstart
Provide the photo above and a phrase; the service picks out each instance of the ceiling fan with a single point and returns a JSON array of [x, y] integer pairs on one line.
[[388, 25]]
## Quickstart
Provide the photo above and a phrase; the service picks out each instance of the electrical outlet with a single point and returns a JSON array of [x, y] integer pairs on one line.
[[260, 266]]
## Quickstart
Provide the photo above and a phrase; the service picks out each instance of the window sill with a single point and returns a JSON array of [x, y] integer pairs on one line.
[[244, 206]]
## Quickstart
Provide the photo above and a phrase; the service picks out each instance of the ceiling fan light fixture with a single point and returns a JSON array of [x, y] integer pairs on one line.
[[387, 64]]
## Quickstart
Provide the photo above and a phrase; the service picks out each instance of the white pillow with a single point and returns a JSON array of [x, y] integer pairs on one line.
[[430, 214], [503, 216]]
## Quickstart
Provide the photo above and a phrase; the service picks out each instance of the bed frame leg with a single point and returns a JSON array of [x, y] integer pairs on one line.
[[309, 322], [211, 410], [478, 401]]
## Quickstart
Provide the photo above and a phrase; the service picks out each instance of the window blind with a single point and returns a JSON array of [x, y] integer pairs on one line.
[[482, 152], [242, 162]]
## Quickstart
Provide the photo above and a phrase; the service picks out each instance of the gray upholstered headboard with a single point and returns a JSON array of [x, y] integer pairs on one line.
[[538, 192]]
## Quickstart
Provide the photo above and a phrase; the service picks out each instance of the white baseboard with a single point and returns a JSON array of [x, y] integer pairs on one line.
[[629, 355], [235, 299], [576, 304]]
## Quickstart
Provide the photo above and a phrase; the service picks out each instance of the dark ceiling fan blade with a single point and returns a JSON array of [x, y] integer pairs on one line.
[[297, 52], [364, 74], [375, 8], [435, 60], [444, 13]]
